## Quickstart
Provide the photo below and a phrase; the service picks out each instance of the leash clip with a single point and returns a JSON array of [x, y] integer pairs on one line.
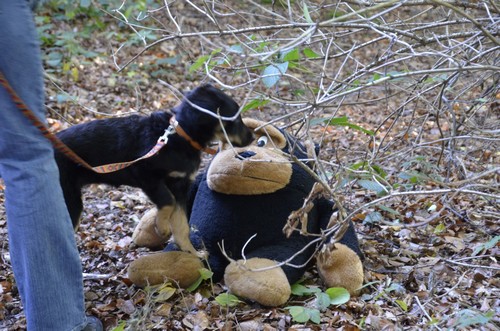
[[170, 130]]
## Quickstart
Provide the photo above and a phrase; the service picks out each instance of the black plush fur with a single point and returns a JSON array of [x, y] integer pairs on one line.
[[165, 178]]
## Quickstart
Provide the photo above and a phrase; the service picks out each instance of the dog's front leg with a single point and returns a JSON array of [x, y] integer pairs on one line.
[[179, 227], [173, 220]]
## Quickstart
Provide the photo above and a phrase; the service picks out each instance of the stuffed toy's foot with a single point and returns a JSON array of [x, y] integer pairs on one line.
[[269, 287], [179, 267], [341, 267], [145, 234]]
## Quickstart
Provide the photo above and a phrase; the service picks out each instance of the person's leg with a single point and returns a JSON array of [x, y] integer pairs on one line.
[[44, 255]]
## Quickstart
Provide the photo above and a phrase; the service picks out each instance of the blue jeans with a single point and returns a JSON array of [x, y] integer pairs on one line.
[[43, 251]]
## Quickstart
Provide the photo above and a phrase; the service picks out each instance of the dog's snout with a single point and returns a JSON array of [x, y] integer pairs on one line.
[[241, 135], [245, 155]]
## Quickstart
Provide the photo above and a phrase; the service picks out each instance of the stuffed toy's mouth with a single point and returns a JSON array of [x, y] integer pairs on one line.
[[249, 171]]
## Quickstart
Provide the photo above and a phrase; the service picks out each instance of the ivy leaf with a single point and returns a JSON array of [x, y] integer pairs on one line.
[[272, 73], [338, 295]]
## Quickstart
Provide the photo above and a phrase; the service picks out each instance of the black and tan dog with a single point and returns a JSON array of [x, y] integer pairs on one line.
[[165, 178]]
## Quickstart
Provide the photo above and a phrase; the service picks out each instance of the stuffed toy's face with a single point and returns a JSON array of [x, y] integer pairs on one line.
[[259, 168]]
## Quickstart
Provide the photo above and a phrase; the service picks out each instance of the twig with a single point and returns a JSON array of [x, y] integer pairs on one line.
[[425, 312]]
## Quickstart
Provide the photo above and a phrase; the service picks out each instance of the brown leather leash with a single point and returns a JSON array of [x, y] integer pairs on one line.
[[102, 169]]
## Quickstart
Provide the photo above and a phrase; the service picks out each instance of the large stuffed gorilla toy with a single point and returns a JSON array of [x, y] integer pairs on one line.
[[242, 203]]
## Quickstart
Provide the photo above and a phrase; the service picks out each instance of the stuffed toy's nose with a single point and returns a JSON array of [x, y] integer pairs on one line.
[[245, 155]]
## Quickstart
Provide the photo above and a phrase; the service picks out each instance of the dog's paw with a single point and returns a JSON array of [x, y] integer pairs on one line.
[[341, 267], [145, 234], [269, 287], [202, 254], [179, 267]]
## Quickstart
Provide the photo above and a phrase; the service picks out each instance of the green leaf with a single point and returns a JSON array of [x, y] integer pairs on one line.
[[357, 127], [376, 76], [372, 186], [227, 300], [389, 210], [236, 49], [359, 165], [301, 290], [379, 171], [309, 53], [54, 59], [373, 217], [314, 316], [201, 61], [292, 55], [62, 98], [204, 275], [307, 16], [470, 317], [402, 304], [165, 292], [322, 301], [338, 121], [85, 3], [255, 104], [487, 245], [338, 295], [120, 326], [439, 228], [341, 121], [168, 60], [299, 314], [273, 73], [303, 314]]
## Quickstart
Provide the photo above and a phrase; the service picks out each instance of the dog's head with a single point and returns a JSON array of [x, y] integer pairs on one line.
[[205, 127]]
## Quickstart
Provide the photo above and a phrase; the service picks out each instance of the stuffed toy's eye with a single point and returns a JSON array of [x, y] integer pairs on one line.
[[262, 141]]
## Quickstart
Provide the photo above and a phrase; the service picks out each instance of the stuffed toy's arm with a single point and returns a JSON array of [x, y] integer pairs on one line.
[[340, 265]]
